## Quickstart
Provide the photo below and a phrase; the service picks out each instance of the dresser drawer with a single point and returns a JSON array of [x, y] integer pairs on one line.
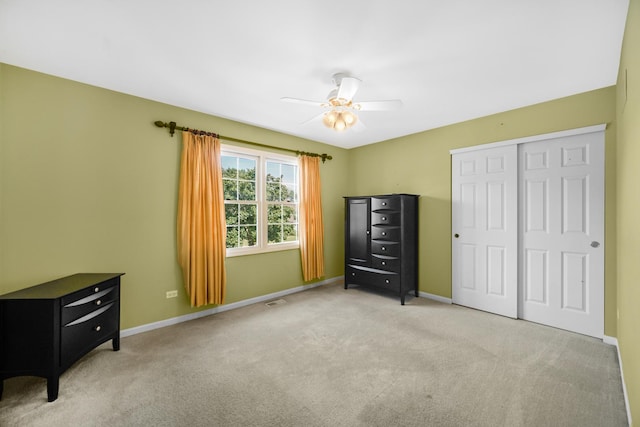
[[385, 218], [380, 279], [382, 262], [88, 303], [385, 203], [94, 289], [385, 232], [84, 333], [381, 247]]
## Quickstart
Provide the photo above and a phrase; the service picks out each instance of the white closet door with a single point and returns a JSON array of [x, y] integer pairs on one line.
[[485, 232], [562, 233]]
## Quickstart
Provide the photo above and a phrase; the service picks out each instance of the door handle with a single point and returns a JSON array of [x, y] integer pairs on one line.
[[595, 244]]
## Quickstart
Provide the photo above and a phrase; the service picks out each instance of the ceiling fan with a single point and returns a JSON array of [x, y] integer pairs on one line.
[[340, 106]]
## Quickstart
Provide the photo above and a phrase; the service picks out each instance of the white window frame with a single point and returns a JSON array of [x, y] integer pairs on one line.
[[261, 161]]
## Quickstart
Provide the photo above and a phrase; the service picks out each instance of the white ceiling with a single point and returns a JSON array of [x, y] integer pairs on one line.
[[447, 60]]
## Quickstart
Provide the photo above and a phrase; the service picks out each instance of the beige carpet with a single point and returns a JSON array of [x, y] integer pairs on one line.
[[330, 357]]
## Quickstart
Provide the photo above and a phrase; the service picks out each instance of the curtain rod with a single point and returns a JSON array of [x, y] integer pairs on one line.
[[173, 127]]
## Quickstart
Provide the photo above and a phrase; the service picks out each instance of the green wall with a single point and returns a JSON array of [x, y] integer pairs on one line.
[[628, 172], [421, 164], [89, 184]]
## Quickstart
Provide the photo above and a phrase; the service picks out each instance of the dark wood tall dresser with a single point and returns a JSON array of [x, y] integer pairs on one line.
[[381, 242], [46, 328]]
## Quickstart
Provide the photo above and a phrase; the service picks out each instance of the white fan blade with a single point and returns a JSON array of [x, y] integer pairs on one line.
[[304, 102], [359, 126], [348, 88], [392, 104], [316, 118]]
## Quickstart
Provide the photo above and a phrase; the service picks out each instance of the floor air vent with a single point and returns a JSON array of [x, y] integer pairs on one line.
[[275, 302]]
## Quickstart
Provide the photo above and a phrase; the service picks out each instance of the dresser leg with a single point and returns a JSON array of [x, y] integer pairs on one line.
[[116, 343], [1, 387], [52, 388], [402, 299]]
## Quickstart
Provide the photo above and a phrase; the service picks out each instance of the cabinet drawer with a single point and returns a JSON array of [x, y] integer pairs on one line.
[[68, 299], [385, 263], [381, 247], [385, 218], [385, 203], [381, 279], [385, 232], [88, 303], [84, 333]]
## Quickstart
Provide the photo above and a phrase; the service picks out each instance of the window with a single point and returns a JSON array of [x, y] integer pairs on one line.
[[261, 200]]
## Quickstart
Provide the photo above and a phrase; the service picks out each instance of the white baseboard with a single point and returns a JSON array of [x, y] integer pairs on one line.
[[435, 297], [614, 341], [226, 307]]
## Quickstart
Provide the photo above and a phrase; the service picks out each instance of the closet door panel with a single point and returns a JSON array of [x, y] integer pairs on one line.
[[484, 220], [572, 233], [536, 276]]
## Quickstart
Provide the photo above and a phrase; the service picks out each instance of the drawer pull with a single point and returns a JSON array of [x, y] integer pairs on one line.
[[384, 249], [353, 274], [384, 203], [98, 302], [384, 233], [96, 289], [384, 218], [386, 281], [384, 263], [97, 328]]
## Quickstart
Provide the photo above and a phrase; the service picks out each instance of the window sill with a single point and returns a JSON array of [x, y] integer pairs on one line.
[[232, 253]]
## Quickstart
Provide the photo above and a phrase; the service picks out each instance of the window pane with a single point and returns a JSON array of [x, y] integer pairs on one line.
[[248, 236], [288, 193], [231, 214], [274, 214], [275, 233], [289, 214], [232, 237], [247, 169], [230, 189], [273, 171], [246, 190], [229, 167], [289, 173], [273, 192], [247, 214], [290, 232], [293, 193]]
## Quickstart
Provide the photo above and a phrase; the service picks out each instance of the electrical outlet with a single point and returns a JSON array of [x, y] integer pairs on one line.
[[172, 294]]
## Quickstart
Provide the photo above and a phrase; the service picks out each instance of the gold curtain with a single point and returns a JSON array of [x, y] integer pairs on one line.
[[201, 220], [311, 226]]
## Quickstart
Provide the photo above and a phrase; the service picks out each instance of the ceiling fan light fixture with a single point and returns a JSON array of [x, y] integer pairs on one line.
[[339, 120], [329, 118], [349, 118]]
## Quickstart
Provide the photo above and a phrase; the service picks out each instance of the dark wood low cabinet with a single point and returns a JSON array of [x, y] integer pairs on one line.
[[46, 328]]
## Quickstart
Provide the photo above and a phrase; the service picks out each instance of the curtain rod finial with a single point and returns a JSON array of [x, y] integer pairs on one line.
[[160, 123]]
